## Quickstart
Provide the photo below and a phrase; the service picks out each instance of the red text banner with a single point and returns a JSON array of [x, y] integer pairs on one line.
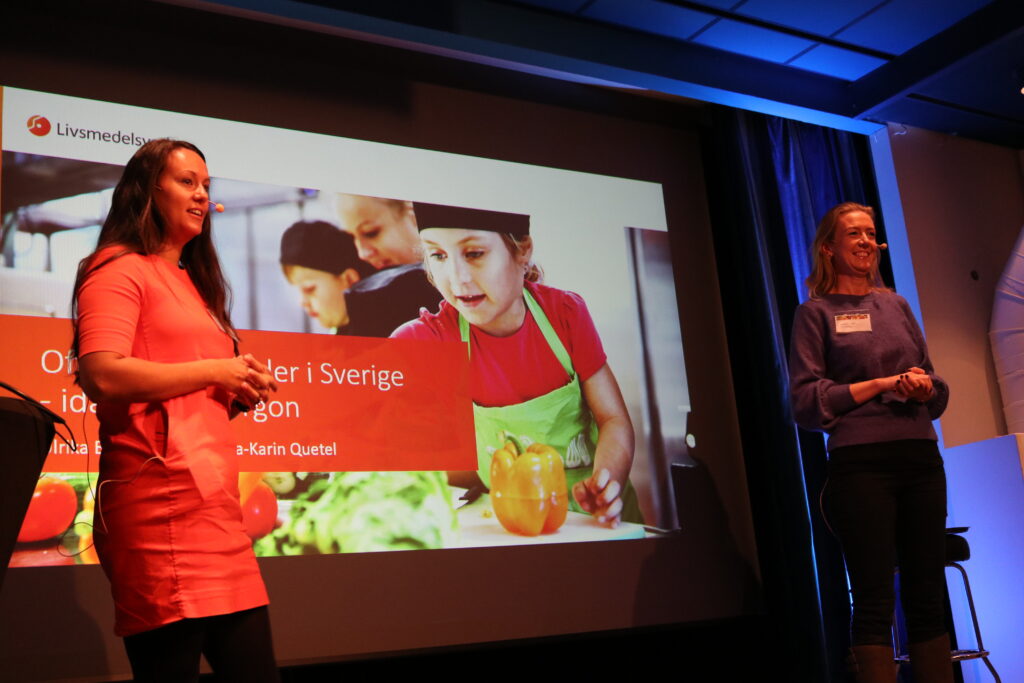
[[343, 404]]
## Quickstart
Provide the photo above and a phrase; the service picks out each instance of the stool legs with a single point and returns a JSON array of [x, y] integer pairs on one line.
[[980, 651]]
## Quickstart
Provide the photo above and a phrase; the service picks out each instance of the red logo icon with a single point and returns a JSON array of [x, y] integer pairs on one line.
[[38, 125]]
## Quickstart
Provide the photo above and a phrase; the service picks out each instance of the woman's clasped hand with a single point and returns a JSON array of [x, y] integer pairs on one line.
[[246, 379], [914, 384]]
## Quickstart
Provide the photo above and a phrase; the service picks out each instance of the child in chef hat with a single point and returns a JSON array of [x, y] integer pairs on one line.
[[538, 367]]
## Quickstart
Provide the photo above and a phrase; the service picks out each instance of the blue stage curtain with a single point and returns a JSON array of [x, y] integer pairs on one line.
[[769, 182], [815, 169]]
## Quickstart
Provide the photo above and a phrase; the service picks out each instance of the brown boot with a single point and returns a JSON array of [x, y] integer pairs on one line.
[[930, 661], [874, 663]]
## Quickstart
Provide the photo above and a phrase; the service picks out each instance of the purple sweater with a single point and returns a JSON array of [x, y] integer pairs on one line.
[[823, 364]]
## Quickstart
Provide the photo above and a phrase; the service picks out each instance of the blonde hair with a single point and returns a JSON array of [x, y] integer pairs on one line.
[[398, 207], [520, 246], [823, 278]]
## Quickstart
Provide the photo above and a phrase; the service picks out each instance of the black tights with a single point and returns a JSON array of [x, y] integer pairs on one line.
[[887, 504], [237, 646]]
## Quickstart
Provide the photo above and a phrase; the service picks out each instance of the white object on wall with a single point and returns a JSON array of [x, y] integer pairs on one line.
[[1006, 334]]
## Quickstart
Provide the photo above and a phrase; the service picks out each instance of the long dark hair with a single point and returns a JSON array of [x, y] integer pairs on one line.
[[136, 227]]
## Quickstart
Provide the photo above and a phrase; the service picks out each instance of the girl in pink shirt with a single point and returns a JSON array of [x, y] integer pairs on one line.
[[537, 361]]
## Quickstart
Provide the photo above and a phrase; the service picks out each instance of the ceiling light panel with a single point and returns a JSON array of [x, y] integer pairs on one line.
[[753, 41], [813, 16], [902, 24], [650, 16]]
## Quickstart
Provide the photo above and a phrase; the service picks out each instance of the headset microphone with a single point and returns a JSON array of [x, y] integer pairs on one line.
[[219, 208], [883, 245]]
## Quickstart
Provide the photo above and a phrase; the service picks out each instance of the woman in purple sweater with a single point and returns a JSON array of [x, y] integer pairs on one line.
[[859, 371]]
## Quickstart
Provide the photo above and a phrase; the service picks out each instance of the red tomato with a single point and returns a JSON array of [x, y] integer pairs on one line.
[[50, 512], [259, 512]]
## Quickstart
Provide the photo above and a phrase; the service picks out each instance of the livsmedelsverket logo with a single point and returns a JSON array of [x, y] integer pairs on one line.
[[38, 125]]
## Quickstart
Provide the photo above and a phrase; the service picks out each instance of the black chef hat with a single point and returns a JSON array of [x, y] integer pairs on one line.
[[443, 216]]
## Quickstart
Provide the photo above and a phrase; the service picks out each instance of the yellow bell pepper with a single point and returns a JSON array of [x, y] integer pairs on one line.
[[528, 490]]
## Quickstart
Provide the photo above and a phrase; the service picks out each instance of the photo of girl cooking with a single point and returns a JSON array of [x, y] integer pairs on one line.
[[539, 373]]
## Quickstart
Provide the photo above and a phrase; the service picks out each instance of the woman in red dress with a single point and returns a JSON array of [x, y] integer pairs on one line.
[[157, 353]]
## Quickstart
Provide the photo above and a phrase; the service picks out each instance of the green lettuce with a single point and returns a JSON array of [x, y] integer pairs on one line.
[[355, 512]]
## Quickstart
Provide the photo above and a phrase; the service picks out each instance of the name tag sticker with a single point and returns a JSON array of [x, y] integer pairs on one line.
[[853, 322]]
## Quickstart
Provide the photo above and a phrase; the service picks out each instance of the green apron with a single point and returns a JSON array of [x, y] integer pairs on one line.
[[559, 418]]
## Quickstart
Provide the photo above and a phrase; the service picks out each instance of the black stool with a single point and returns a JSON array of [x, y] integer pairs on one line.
[[957, 551]]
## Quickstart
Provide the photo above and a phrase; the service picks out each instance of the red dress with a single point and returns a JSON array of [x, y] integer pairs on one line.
[[168, 525]]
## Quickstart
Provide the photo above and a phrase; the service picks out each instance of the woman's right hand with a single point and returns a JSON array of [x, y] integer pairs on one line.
[[868, 389], [109, 376], [914, 384], [247, 380]]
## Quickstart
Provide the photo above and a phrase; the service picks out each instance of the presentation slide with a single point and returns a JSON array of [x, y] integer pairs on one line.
[[389, 430]]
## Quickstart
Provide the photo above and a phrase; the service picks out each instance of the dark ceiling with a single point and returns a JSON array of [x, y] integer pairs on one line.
[[955, 66]]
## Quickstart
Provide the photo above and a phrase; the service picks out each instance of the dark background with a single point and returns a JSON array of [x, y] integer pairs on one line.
[[692, 601]]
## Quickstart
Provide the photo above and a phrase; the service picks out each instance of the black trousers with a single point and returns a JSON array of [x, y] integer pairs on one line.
[[887, 504], [237, 646]]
